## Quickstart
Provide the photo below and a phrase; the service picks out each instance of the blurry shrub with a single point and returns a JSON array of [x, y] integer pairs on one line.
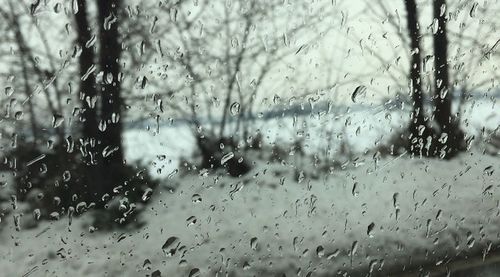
[[395, 145], [224, 153], [428, 144], [55, 182], [488, 141]]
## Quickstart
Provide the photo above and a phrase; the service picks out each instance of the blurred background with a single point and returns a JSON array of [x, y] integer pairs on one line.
[[249, 138]]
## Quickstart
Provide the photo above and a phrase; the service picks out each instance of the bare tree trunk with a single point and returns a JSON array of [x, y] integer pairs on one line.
[[111, 101], [418, 135], [27, 89], [88, 96], [28, 57], [88, 88], [233, 75], [448, 123]]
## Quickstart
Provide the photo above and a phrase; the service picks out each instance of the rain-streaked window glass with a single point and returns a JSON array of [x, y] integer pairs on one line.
[[249, 138]]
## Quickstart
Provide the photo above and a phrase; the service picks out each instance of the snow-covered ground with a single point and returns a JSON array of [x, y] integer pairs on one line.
[[384, 216], [363, 129], [268, 223]]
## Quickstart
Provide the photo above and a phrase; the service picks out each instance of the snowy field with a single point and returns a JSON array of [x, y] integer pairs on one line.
[[363, 129], [377, 218]]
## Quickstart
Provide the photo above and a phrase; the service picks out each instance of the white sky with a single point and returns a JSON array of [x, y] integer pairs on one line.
[[339, 59]]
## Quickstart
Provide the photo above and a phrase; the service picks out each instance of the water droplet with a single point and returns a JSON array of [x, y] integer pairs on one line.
[[301, 176], [170, 246], [253, 243], [369, 230], [109, 20], [18, 115], [489, 170], [66, 176], [191, 221], [9, 91], [75, 6], [438, 215], [147, 194], [146, 265], [354, 248], [226, 158], [37, 214], [57, 8], [443, 138], [115, 118], [355, 191], [203, 173], [173, 173], [144, 82], [102, 125], [81, 207], [320, 251], [435, 26], [57, 120], [17, 222], [235, 108], [107, 78], [395, 200], [333, 254], [54, 215], [173, 14], [89, 71], [487, 189], [161, 157], [371, 266], [358, 91], [36, 159], [196, 198], [470, 242], [108, 150], [472, 12], [195, 272], [13, 200], [57, 201]]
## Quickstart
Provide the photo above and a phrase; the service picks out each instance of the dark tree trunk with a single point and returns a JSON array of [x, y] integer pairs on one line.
[[419, 130], [88, 90], [111, 102], [446, 121], [88, 96]]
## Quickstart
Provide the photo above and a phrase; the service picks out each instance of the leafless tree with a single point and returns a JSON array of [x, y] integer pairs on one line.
[[451, 134], [36, 78], [221, 57], [419, 128], [451, 71]]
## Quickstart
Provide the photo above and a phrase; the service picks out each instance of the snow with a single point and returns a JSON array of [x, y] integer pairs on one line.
[[325, 212], [267, 222]]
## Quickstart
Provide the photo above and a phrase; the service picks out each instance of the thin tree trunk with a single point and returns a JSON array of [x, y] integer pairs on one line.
[[447, 122], [418, 136], [27, 90], [26, 52], [88, 89]]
